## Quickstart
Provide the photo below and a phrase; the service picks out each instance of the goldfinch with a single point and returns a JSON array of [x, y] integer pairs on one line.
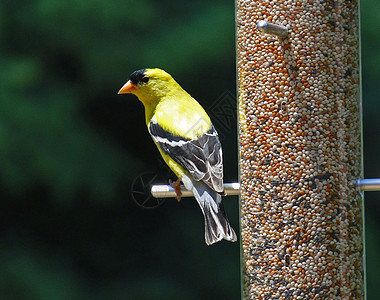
[[188, 143]]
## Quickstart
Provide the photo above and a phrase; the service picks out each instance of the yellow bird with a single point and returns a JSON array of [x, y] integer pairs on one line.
[[187, 141]]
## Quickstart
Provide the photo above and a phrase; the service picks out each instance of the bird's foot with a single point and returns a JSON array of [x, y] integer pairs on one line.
[[177, 187]]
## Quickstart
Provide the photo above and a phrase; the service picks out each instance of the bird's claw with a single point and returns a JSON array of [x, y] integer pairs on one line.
[[177, 187]]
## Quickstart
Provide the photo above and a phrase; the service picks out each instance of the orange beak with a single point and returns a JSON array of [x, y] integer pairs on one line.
[[127, 88]]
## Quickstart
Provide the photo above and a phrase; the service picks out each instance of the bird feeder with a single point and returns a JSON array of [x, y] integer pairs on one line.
[[300, 149]]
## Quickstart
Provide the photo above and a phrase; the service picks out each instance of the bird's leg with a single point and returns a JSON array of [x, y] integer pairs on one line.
[[177, 187]]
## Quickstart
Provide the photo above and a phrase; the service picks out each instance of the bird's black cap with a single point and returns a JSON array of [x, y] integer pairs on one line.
[[138, 76]]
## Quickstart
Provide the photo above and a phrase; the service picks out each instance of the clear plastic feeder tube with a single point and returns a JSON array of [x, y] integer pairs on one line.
[[300, 149]]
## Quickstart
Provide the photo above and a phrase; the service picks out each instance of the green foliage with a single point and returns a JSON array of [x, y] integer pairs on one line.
[[371, 124], [28, 275], [44, 141], [370, 40]]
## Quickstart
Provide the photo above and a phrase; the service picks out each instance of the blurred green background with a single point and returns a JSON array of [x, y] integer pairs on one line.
[[72, 150]]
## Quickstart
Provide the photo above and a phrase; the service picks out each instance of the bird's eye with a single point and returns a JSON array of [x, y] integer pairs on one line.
[[145, 79]]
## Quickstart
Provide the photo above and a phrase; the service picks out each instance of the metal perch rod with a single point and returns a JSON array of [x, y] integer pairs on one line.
[[371, 184], [274, 29], [166, 191], [232, 189]]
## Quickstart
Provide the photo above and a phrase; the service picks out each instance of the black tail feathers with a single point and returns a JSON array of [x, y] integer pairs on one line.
[[217, 226]]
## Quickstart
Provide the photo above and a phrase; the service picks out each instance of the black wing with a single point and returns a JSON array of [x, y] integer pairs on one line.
[[201, 157]]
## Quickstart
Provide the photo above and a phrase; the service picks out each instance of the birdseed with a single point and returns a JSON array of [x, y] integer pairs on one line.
[[300, 150]]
